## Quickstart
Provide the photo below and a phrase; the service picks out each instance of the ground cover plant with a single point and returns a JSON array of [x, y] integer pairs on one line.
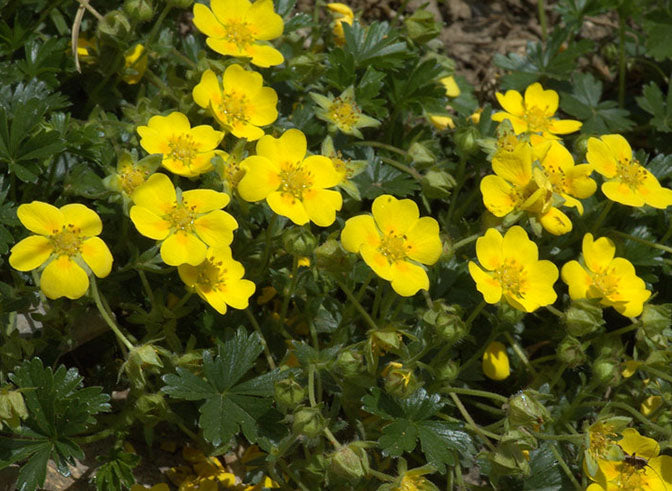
[[261, 245]]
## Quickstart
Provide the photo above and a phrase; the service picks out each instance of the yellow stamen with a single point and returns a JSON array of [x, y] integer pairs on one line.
[[210, 276], [238, 33], [344, 112], [536, 119], [131, 177], [513, 278], [295, 180], [68, 241], [182, 217], [393, 247], [233, 109], [182, 148], [630, 173]]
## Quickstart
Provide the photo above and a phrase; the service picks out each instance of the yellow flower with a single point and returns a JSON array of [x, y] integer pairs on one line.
[[449, 83], [343, 113], [265, 483], [341, 13], [186, 151], [627, 181], [186, 225], [240, 28], [476, 115], [240, 103], [641, 469], [441, 122], [534, 113], [512, 270], [131, 174], [135, 64], [396, 373], [611, 279], [393, 241], [496, 361], [345, 168], [303, 262], [293, 185], [630, 368], [650, 405], [218, 280], [67, 237]]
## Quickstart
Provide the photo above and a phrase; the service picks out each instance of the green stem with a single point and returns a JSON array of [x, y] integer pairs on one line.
[[576, 438], [458, 187], [330, 436], [470, 422], [293, 476], [145, 285], [381, 475], [480, 351], [474, 313], [290, 292], [264, 344], [157, 24], [602, 216], [175, 52], [555, 311], [377, 297], [565, 467], [657, 373], [654, 245], [384, 146], [101, 435], [358, 306], [106, 316], [185, 298], [267, 244], [465, 241], [519, 351], [541, 8], [476, 393], [311, 386], [402, 167], [621, 61]]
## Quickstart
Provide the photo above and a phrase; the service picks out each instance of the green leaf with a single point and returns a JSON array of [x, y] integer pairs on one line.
[[653, 102], [545, 472], [657, 26], [117, 471], [398, 437], [443, 443], [34, 472], [376, 45], [382, 178]]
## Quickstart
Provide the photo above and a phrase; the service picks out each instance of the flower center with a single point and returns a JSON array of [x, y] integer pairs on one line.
[[131, 177], [536, 119], [605, 284], [600, 439], [512, 277], [632, 478], [344, 112], [67, 242], [233, 109], [630, 173], [295, 180], [210, 275], [507, 142], [182, 148], [341, 167], [238, 33], [182, 217], [393, 247]]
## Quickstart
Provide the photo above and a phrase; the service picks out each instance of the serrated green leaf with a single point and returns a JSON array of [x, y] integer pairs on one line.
[[657, 26], [545, 472], [653, 102], [34, 472], [381, 178], [375, 45], [443, 443], [420, 406], [398, 437], [185, 385]]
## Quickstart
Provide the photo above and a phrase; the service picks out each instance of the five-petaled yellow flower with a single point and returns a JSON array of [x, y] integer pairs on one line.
[[627, 181], [186, 151], [641, 468], [345, 168], [611, 279], [534, 113], [393, 241], [219, 280], [510, 268], [293, 185], [496, 361], [240, 28], [131, 174], [240, 103], [187, 225], [341, 13], [343, 113], [69, 237]]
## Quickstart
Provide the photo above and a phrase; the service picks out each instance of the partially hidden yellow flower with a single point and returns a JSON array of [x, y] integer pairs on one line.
[[627, 181], [265, 483], [441, 122], [449, 83], [510, 268], [67, 240], [413, 480], [641, 468], [135, 64], [241, 28], [534, 113], [602, 276], [131, 174], [343, 113], [219, 280], [292, 184], [241, 104], [341, 13], [650, 405], [393, 241], [496, 361], [345, 168], [186, 225], [186, 151]]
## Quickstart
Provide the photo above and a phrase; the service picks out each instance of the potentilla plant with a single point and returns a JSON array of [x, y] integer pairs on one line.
[[297, 247]]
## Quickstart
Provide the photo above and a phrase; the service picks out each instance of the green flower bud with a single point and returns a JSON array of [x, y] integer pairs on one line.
[[655, 320], [349, 363], [349, 462], [422, 26], [139, 10], [181, 4], [140, 360], [308, 421], [447, 371], [509, 315], [387, 339], [289, 393], [398, 380], [331, 257], [524, 409], [570, 351], [606, 372], [114, 25], [581, 144], [150, 409], [466, 139], [421, 154], [436, 184], [12, 408], [583, 317], [609, 347], [299, 241]]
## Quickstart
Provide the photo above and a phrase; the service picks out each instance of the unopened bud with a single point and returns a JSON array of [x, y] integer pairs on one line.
[[114, 25], [422, 26], [436, 184], [447, 371], [524, 409], [331, 257], [349, 462], [308, 421], [570, 351], [139, 10], [299, 241], [289, 393], [605, 371], [398, 380], [466, 139], [583, 317], [181, 4], [349, 363], [151, 408], [655, 320], [12, 408]]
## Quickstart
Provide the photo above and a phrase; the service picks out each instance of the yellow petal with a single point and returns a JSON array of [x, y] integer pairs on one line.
[[489, 249], [516, 166], [541, 277], [564, 126], [230, 10], [290, 147], [216, 228], [321, 205], [394, 216], [288, 206], [97, 256], [82, 218], [30, 253], [517, 245], [263, 108], [148, 224], [601, 158], [452, 89], [556, 222], [537, 97], [360, 230], [265, 56], [206, 137], [157, 194], [618, 146], [376, 261], [577, 279], [204, 200], [266, 23], [41, 218], [208, 89], [620, 192], [496, 361], [322, 171], [423, 242], [498, 196], [237, 293], [64, 278], [634, 443], [182, 247], [511, 102], [598, 253], [237, 79], [650, 405], [262, 177], [486, 283], [408, 278], [188, 274], [247, 131]]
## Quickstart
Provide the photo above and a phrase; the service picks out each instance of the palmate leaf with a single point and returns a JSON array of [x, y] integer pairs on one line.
[[229, 407], [410, 421], [376, 45], [657, 105]]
